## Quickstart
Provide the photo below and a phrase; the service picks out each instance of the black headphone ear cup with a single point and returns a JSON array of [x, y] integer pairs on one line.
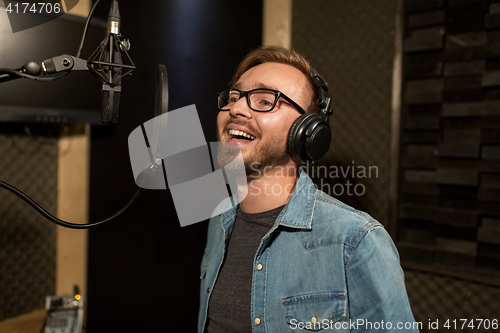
[[294, 146], [308, 138], [319, 142]]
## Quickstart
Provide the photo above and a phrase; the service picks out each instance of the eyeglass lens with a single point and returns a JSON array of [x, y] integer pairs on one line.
[[259, 100]]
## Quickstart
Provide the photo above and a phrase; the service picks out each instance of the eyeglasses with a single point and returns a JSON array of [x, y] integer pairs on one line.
[[260, 99]]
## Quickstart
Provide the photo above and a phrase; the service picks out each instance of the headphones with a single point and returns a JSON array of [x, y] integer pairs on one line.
[[310, 134]]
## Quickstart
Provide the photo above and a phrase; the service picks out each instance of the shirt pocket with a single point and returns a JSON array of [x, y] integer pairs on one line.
[[316, 312]]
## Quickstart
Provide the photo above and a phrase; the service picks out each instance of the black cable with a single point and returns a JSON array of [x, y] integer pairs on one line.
[[62, 223], [47, 319], [44, 324], [80, 48]]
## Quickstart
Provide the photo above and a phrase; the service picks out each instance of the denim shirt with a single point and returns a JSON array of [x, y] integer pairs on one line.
[[323, 266]]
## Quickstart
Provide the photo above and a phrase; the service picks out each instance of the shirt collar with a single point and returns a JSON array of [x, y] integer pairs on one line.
[[297, 213]]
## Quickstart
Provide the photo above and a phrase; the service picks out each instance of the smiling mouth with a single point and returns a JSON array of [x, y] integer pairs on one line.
[[236, 134]]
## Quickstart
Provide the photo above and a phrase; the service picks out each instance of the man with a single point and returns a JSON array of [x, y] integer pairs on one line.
[[290, 257]]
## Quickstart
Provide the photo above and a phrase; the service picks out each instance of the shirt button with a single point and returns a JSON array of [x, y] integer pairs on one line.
[[208, 290], [257, 321], [314, 320], [259, 267]]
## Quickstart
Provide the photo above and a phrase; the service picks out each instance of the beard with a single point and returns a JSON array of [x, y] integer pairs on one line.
[[271, 152]]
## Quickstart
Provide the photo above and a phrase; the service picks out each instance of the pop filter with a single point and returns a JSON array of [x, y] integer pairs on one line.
[[160, 107], [160, 90]]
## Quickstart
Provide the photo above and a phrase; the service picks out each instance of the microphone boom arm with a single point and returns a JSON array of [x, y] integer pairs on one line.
[[37, 71], [64, 63]]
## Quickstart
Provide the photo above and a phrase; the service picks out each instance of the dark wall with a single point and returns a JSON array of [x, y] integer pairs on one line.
[[143, 267], [351, 43]]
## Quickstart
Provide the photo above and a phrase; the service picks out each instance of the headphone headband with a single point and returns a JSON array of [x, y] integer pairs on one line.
[[323, 101]]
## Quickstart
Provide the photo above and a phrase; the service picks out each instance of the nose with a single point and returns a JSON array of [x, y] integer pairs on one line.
[[241, 109]]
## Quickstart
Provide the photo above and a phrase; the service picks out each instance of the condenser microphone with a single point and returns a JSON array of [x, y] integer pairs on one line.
[[110, 93], [110, 99], [111, 64]]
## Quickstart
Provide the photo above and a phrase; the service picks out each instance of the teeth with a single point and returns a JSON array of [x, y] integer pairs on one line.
[[241, 133]]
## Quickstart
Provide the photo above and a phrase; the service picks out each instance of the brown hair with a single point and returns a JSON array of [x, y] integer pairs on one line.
[[280, 55]]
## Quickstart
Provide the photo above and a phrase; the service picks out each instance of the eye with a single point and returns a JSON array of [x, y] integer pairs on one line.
[[263, 100], [234, 96]]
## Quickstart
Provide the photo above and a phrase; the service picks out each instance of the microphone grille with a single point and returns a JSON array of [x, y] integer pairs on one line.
[[109, 105]]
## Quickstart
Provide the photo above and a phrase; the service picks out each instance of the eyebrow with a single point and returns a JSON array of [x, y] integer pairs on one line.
[[258, 85]]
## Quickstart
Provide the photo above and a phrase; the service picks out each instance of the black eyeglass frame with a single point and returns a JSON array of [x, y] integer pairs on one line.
[[277, 95]]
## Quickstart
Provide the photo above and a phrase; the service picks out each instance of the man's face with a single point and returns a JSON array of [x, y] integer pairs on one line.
[[264, 141]]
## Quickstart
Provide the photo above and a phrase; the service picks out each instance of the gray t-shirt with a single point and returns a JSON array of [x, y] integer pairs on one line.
[[229, 305]]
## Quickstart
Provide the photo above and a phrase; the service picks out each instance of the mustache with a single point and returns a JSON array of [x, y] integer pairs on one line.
[[243, 123]]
